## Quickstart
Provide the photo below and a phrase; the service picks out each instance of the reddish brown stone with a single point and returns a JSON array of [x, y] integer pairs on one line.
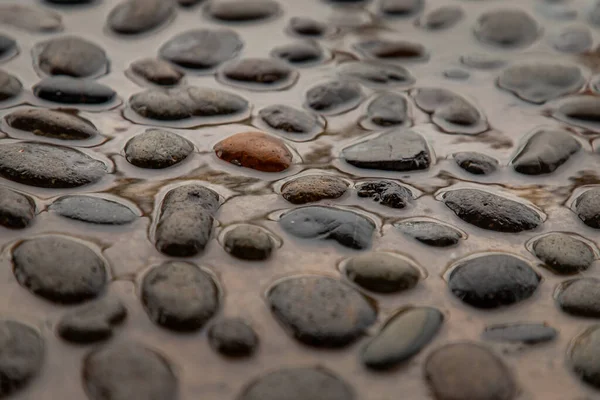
[[255, 150]]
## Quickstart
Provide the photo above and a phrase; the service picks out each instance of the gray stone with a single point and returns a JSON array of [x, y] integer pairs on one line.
[[563, 254], [443, 17], [584, 354], [16, 210], [580, 108], [334, 97], [92, 322], [392, 50], [476, 163], [242, 10], [307, 27], [232, 337], [69, 90], [288, 119], [388, 109], [587, 207], [72, 56], [157, 149], [94, 210], [386, 193], [298, 53], [376, 73], [311, 188], [52, 124], [483, 61], [248, 242], [10, 86], [545, 151], [157, 71], [401, 8], [580, 297], [32, 19], [430, 233], [506, 28], [382, 272], [520, 333], [139, 16], [573, 40], [265, 73]]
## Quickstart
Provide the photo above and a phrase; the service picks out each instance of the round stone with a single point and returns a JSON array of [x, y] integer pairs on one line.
[[94, 210], [506, 28], [72, 56], [10, 86], [248, 242], [233, 337], [157, 149], [584, 354], [308, 27], [563, 254], [139, 16], [382, 272], [393, 50], [580, 297], [311, 188], [255, 150], [476, 163], [587, 207]]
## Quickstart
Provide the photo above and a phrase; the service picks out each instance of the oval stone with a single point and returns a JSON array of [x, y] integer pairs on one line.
[[248, 242], [544, 151], [580, 297], [311, 188], [584, 354], [51, 124], [334, 97], [376, 73], [444, 17], [382, 272], [387, 193], [259, 74], [388, 109], [157, 149], [10, 86], [157, 71], [232, 337], [72, 56], [255, 150], [94, 210], [431, 233], [242, 11], [68, 90], [506, 28], [587, 207], [8, 47], [393, 50], [32, 19], [304, 26], [563, 254], [520, 333], [289, 120], [92, 322], [573, 40], [17, 210], [298, 53], [138, 16], [476, 163]]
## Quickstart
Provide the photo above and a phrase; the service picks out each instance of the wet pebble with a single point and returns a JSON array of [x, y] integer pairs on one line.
[[401, 8], [326, 223], [580, 297], [8, 47], [59, 269], [563, 254], [440, 18], [157, 71], [94, 210], [311, 188], [321, 311], [402, 337], [258, 73], [457, 74], [289, 120], [392, 50], [248, 242], [506, 28], [10, 86], [382, 272], [92, 322], [388, 109], [334, 97], [72, 56], [127, 370], [179, 296], [378, 74], [482, 61], [242, 10], [583, 356], [17, 210], [581, 109], [139, 16], [387, 193], [395, 150], [68, 90], [308, 27], [449, 373], [51, 124], [430, 233], [298, 53], [476, 163], [157, 149], [520, 333], [32, 19], [186, 220], [573, 39], [545, 151], [494, 280], [232, 337], [48, 166], [587, 207], [489, 211], [255, 150]]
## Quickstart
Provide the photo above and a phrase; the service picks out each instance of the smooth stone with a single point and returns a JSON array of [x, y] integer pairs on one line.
[[520, 333], [179, 296], [288, 119], [202, 49], [430, 233], [580, 297], [374, 73], [383, 49], [506, 28], [388, 109], [386, 193], [157, 149], [51, 124], [587, 207], [264, 72], [298, 304], [308, 27], [382, 272], [242, 10], [186, 102], [10, 86], [92, 322], [581, 109], [489, 211], [444, 17], [395, 150], [457, 74], [17, 210], [476, 163], [157, 71], [68, 90], [401, 8], [248, 242], [326, 223], [32, 19], [311, 188], [60, 270], [48, 166], [334, 97], [255, 150], [72, 56], [8, 46], [188, 3], [540, 82], [22, 356], [94, 210], [594, 13], [232, 337], [545, 151], [563, 254], [482, 61], [450, 374], [299, 383], [583, 356], [186, 220], [128, 370], [298, 53], [139, 16], [573, 40], [494, 280], [402, 337]]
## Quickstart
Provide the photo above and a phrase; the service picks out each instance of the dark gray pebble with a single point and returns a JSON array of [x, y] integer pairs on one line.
[[506, 28], [288, 119], [8, 46], [386, 193], [308, 27], [157, 149], [157, 71], [311, 188], [587, 207], [94, 210], [520, 333], [92, 322], [51, 124], [444, 17], [248, 242], [382, 272], [298, 53], [254, 72], [17, 210], [573, 40], [583, 356], [242, 11], [563, 254], [334, 97], [376, 73], [580, 297], [392, 50], [476, 163], [139, 16], [10, 86], [72, 56], [388, 109], [545, 151], [32, 19], [430, 233], [68, 90], [233, 337]]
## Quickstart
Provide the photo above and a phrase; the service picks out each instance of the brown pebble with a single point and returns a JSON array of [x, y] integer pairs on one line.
[[255, 150]]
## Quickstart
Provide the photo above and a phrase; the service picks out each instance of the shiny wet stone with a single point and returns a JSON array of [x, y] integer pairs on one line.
[[139, 16], [10, 86], [311, 188], [382, 272], [17, 210], [579, 297], [157, 149], [51, 124], [494, 280], [544, 151], [444, 17], [401, 8], [520, 333], [430, 233], [387, 193], [8, 46], [583, 356], [573, 39], [94, 210], [232, 337], [259, 73], [581, 109], [32, 19], [309, 27], [392, 50], [242, 11], [72, 56], [248, 242], [289, 120], [59, 269], [376, 73], [506, 28], [587, 207], [157, 71], [255, 150], [563, 254], [334, 97], [298, 53], [298, 305], [68, 90], [387, 110], [92, 322], [476, 163]]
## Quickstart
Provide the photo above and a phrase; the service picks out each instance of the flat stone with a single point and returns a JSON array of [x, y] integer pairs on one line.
[[10, 86], [94, 210], [157, 149], [48, 166], [128, 370], [573, 40], [255, 150], [139, 16], [186, 220], [388, 109], [298, 383], [311, 188], [8, 46], [72, 56], [157, 71], [443, 17], [68, 90], [52, 124], [375, 73], [92, 322], [580, 297], [334, 97], [16, 210], [288, 119], [476, 163], [232, 337], [259, 73], [308, 27], [584, 354], [494, 280], [402, 337], [387, 193], [520, 333], [489, 211], [581, 109], [32, 19], [326, 223], [202, 49], [401, 8], [21, 358], [563, 254], [248, 242], [60, 270], [242, 10], [482, 61], [394, 50], [298, 305], [430, 233], [545, 151], [179, 296], [382, 272], [449, 373], [298, 53], [587, 207], [395, 150], [506, 28]]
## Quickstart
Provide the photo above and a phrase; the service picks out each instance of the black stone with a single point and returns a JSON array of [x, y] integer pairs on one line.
[[401, 8], [138, 16], [298, 304], [72, 56], [393, 50], [242, 10], [388, 109], [92, 322], [520, 333], [580, 297], [8, 46], [265, 72], [59, 269], [587, 207], [494, 280], [298, 53], [476, 163], [308, 27], [573, 40], [233, 337], [506, 28], [248, 242], [157, 71], [334, 97], [374, 73], [179, 296], [326, 223], [430, 233], [157, 149], [32, 19], [563, 254], [288, 119], [186, 220], [382, 272], [386, 193], [545, 151], [10, 86], [16, 210], [489, 211], [583, 356], [68, 90], [52, 124], [94, 210], [444, 17], [311, 188]]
